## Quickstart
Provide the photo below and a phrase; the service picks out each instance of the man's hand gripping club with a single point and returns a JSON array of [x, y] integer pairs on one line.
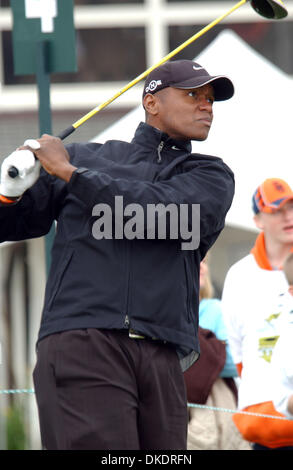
[[28, 171], [48, 151]]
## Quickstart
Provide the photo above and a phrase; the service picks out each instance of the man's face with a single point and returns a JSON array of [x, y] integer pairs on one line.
[[184, 114], [278, 225]]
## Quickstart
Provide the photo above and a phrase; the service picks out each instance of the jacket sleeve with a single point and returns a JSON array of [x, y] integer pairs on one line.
[[210, 184], [282, 371], [34, 214]]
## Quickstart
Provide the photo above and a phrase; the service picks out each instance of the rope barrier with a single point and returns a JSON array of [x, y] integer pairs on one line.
[[15, 391], [190, 405], [226, 410]]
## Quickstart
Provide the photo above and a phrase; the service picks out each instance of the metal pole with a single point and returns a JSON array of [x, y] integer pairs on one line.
[[45, 117]]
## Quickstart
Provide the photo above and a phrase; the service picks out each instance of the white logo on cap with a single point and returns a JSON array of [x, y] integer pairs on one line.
[[197, 68], [153, 85]]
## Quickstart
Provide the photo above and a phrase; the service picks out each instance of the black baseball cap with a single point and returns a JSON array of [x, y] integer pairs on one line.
[[187, 74]]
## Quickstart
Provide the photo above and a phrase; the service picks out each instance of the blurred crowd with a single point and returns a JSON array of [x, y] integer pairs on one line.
[[246, 339]]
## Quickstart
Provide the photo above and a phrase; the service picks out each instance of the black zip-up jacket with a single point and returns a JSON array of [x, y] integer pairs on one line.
[[149, 285]]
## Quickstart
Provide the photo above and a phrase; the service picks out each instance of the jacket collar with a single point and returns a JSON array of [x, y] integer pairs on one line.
[[260, 254], [150, 137]]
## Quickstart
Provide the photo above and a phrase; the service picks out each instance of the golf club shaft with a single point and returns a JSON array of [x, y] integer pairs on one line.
[[178, 49]]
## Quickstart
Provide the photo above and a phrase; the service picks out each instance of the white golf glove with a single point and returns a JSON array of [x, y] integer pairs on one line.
[[28, 172]]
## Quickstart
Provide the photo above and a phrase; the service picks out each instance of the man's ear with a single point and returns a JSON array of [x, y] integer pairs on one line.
[[150, 104], [258, 221]]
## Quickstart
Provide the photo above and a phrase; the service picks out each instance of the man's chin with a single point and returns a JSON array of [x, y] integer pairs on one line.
[[200, 138]]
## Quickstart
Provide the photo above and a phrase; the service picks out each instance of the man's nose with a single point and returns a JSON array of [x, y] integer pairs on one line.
[[206, 104]]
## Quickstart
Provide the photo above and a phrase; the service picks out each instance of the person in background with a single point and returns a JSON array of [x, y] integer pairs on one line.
[[211, 380], [211, 316], [252, 313], [282, 358]]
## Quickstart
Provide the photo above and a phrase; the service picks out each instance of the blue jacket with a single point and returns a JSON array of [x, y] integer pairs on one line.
[[150, 285], [211, 318]]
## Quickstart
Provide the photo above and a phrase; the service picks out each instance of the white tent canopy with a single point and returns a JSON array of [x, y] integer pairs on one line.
[[251, 132]]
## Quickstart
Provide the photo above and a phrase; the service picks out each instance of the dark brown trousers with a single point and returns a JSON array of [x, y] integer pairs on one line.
[[100, 389]]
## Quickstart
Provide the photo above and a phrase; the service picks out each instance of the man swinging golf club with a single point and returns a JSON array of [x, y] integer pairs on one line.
[[120, 314]]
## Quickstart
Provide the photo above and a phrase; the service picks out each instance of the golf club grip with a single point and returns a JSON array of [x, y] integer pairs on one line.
[[13, 172], [66, 132]]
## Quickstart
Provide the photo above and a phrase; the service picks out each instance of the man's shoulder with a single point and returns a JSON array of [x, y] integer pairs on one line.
[[213, 161], [94, 146], [84, 147], [88, 151], [205, 157]]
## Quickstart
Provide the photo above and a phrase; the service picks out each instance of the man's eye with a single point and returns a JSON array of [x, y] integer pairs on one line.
[[194, 94]]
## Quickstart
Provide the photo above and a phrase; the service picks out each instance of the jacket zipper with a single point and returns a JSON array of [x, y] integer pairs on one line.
[[126, 317], [188, 288], [127, 288], [159, 150]]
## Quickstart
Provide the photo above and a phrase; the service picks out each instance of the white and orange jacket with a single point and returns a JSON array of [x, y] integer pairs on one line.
[[252, 307], [283, 364]]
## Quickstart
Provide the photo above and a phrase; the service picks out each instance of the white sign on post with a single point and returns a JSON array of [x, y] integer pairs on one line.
[[46, 10]]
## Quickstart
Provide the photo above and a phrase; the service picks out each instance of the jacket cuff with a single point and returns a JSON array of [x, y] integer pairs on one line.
[[75, 174], [9, 201]]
